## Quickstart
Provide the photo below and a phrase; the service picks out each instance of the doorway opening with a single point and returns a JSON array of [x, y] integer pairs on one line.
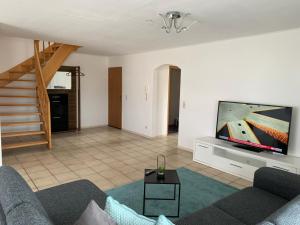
[[166, 100], [174, 99]]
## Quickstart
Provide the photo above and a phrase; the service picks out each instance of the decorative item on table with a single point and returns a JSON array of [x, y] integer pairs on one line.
[[161, 166]]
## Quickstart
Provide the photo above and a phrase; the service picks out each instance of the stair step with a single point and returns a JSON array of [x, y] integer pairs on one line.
[[18, 104], [15, 124], [17, 71], [21, 72], [26, 66], [19, 80], [20, 88], [19, 113], [23, 144], [47, 53], [17, 96], [23, 133]]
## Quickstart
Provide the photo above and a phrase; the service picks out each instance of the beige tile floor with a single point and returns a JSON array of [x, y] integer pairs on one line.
[[106, 156]]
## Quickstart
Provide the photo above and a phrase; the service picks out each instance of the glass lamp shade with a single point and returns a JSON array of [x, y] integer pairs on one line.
[[161, 166]]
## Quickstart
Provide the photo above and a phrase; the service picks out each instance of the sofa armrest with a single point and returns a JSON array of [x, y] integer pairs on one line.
[[65, 203], [277, 182]]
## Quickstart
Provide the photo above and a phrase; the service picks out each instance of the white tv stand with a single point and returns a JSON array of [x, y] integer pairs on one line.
[[225, 156]]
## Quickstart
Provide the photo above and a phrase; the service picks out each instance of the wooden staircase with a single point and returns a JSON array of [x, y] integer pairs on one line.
[[24, 103]]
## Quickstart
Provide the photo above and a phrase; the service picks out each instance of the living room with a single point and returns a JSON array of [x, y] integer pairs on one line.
[[241, 53]]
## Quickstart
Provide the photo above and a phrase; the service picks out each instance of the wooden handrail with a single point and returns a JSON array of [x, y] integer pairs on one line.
[[44, 103], [44, 54]]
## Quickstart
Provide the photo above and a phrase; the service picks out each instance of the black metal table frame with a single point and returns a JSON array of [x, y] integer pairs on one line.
[[163, 199]]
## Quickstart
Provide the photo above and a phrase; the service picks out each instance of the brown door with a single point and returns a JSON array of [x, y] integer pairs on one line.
[[115, 97]]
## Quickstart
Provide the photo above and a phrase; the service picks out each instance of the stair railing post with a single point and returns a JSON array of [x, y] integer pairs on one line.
[[44, 103], [44, 53]]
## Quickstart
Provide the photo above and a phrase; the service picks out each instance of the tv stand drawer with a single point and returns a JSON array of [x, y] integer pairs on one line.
[[202, 153], [243, 170], [282, 167]]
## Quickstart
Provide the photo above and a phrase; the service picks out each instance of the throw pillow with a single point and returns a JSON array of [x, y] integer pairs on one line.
[[93, 214], [162, 220], [124, 215]]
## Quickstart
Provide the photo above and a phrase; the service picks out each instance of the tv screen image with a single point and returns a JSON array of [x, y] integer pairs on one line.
[[258, 126]]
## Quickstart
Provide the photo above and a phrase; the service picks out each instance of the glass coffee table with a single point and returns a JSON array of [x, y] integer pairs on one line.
[[171, 177]]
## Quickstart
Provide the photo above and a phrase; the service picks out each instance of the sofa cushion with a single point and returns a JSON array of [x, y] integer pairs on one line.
[[277, 182], [14, 192], [2, 216], [93, 214], [25, 214], [65, 203], [289, 214], [209, 216], [251, 205]]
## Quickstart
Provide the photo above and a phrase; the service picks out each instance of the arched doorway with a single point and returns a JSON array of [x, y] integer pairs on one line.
[[166, 100]]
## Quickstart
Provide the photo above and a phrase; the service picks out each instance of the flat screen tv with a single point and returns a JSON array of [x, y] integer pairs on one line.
[[255, 127]]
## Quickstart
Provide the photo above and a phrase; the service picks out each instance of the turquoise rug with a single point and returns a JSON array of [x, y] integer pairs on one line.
[[197, 192]]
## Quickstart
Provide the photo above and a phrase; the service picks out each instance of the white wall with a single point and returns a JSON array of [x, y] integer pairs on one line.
[[93, 85], [62, 80], [260, 69], [14, 51], [94, 92], [161, 87]]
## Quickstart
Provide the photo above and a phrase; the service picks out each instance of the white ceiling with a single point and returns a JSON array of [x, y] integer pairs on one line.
[[114, 27]]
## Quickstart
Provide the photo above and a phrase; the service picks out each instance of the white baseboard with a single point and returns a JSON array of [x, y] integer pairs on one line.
[[184, 148], [87, 127], [136, 133]]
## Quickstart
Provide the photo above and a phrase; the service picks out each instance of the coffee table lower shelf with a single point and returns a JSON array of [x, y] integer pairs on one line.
[[173, 181]]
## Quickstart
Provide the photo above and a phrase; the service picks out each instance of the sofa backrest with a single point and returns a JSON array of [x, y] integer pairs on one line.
[[2, 216], [277, 182], [19, 204], [289, 214]]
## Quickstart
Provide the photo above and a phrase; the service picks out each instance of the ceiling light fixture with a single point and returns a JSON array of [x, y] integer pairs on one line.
[[175, 19]]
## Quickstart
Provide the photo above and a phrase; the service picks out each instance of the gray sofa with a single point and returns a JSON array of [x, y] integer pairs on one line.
[[60, 205], [271, 200]]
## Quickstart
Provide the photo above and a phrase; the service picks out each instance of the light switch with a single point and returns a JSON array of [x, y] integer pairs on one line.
[[183, 104], [146, 92]]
